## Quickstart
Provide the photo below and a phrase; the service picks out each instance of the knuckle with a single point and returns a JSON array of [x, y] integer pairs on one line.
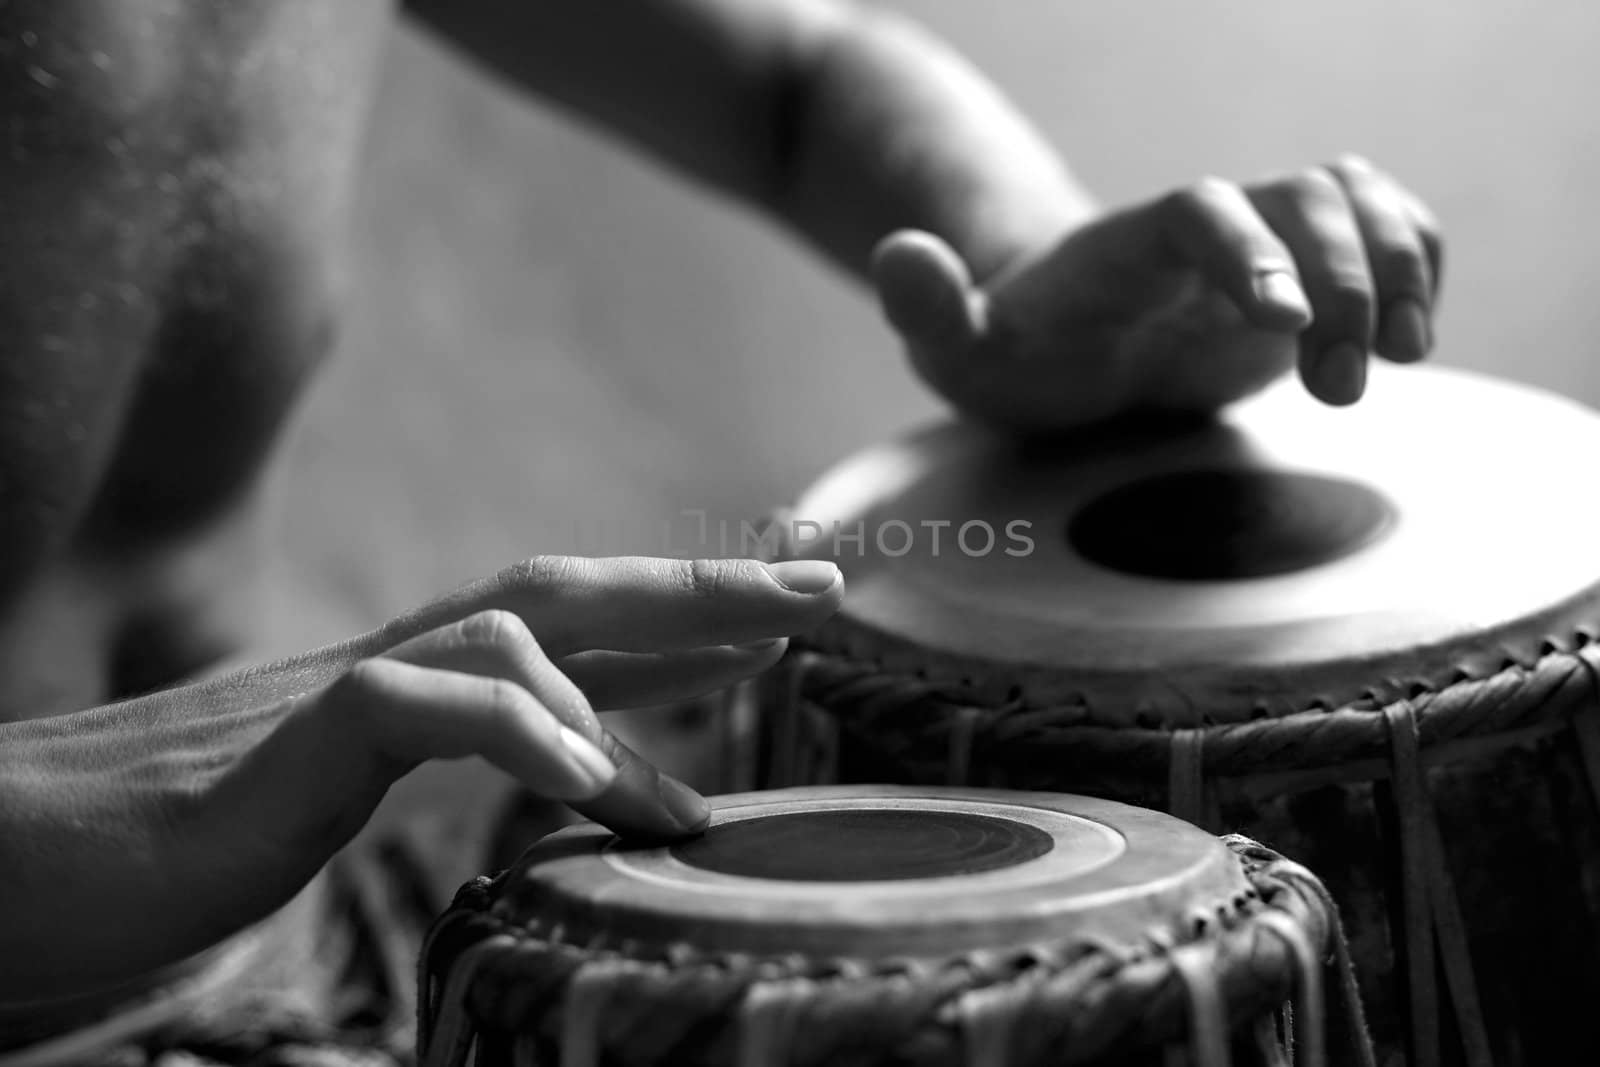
[[1209, 187], [539, 573], [1352, 163], [1314, 185], [1198, 197], [709, 578], [496, 628]]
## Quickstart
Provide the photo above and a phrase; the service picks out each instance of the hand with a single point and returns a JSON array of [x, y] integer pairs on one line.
[[139, 833], [1187, 302]]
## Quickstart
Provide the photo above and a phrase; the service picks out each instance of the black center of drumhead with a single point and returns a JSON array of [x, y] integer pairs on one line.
[[864, 845], [1220, 525]]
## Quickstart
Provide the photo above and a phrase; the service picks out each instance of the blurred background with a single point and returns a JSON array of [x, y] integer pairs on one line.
[[555, 343]]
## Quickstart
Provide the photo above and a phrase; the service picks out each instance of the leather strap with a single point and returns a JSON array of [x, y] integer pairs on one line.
[[583, 1016], [1586, 725], [1196, 965], [447, 1042], [1432, 916], [768, 1018], [1306, 1033], [1186, 784], [963, 729], [1416, 900], [988, 1020]]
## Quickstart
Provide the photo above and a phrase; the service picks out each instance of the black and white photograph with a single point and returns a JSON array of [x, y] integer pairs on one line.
[[799, 533]]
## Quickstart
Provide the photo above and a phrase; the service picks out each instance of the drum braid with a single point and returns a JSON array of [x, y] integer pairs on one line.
[[915, 721]]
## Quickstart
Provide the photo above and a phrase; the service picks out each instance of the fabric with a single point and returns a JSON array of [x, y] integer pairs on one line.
[[329, 981]]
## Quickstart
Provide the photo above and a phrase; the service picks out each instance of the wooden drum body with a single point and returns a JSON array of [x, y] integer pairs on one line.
[[891, 925], [1363, 636]]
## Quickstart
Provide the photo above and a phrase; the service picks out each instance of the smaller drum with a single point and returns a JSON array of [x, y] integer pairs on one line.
[[893, 925]]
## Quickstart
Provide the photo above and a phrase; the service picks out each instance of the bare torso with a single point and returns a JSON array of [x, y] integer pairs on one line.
[[174, 182]]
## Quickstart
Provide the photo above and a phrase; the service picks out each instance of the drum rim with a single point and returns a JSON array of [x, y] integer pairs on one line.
[[1247, 677], [1165, 867]]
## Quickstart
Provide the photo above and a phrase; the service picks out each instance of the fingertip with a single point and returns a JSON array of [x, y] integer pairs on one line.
[[643, 804], [690, 810], [1407, 335], [1336, 375]]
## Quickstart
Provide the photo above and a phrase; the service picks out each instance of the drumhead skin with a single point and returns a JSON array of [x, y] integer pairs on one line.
[[882, 872], [1281, 556]]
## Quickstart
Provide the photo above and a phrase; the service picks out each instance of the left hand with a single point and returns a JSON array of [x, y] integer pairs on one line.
[[1186, 302]]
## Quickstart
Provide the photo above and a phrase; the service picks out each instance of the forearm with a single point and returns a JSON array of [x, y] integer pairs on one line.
[[892, 129], [843, 121]]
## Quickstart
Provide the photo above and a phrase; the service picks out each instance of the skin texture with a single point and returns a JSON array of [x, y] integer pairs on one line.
[[173, 197]]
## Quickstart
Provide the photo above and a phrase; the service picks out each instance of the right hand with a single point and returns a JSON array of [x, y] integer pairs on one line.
[[1189, 301], [139, 833]]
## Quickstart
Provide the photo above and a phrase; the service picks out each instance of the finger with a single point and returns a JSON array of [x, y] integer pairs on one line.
[[1215, 228], [306, 789], [410, 714], [926, 291], [498, 644], [1312, 215], [643, 604], [642, 679], [641, 802], [1396, 257]]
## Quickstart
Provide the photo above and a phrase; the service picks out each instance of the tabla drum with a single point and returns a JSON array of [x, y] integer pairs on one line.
[[1363, 636], [892, 925]]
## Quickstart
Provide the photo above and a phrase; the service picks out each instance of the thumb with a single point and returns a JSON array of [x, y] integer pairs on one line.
[[926, 291]]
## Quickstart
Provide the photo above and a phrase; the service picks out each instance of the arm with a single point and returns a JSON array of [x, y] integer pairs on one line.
[[846, 122], [1015, 298]]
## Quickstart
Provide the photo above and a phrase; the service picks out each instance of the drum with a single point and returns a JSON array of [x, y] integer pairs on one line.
[[1362, 636], [892, 925]]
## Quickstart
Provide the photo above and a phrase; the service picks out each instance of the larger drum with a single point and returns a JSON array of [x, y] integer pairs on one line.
[[1363, 636]]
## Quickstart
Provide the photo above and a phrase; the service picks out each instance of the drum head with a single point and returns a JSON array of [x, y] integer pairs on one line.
[[1282, 555], [876, 872]]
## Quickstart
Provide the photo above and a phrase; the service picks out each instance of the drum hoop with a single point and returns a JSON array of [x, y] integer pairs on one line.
[[1524, 690], [1254, 965]]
